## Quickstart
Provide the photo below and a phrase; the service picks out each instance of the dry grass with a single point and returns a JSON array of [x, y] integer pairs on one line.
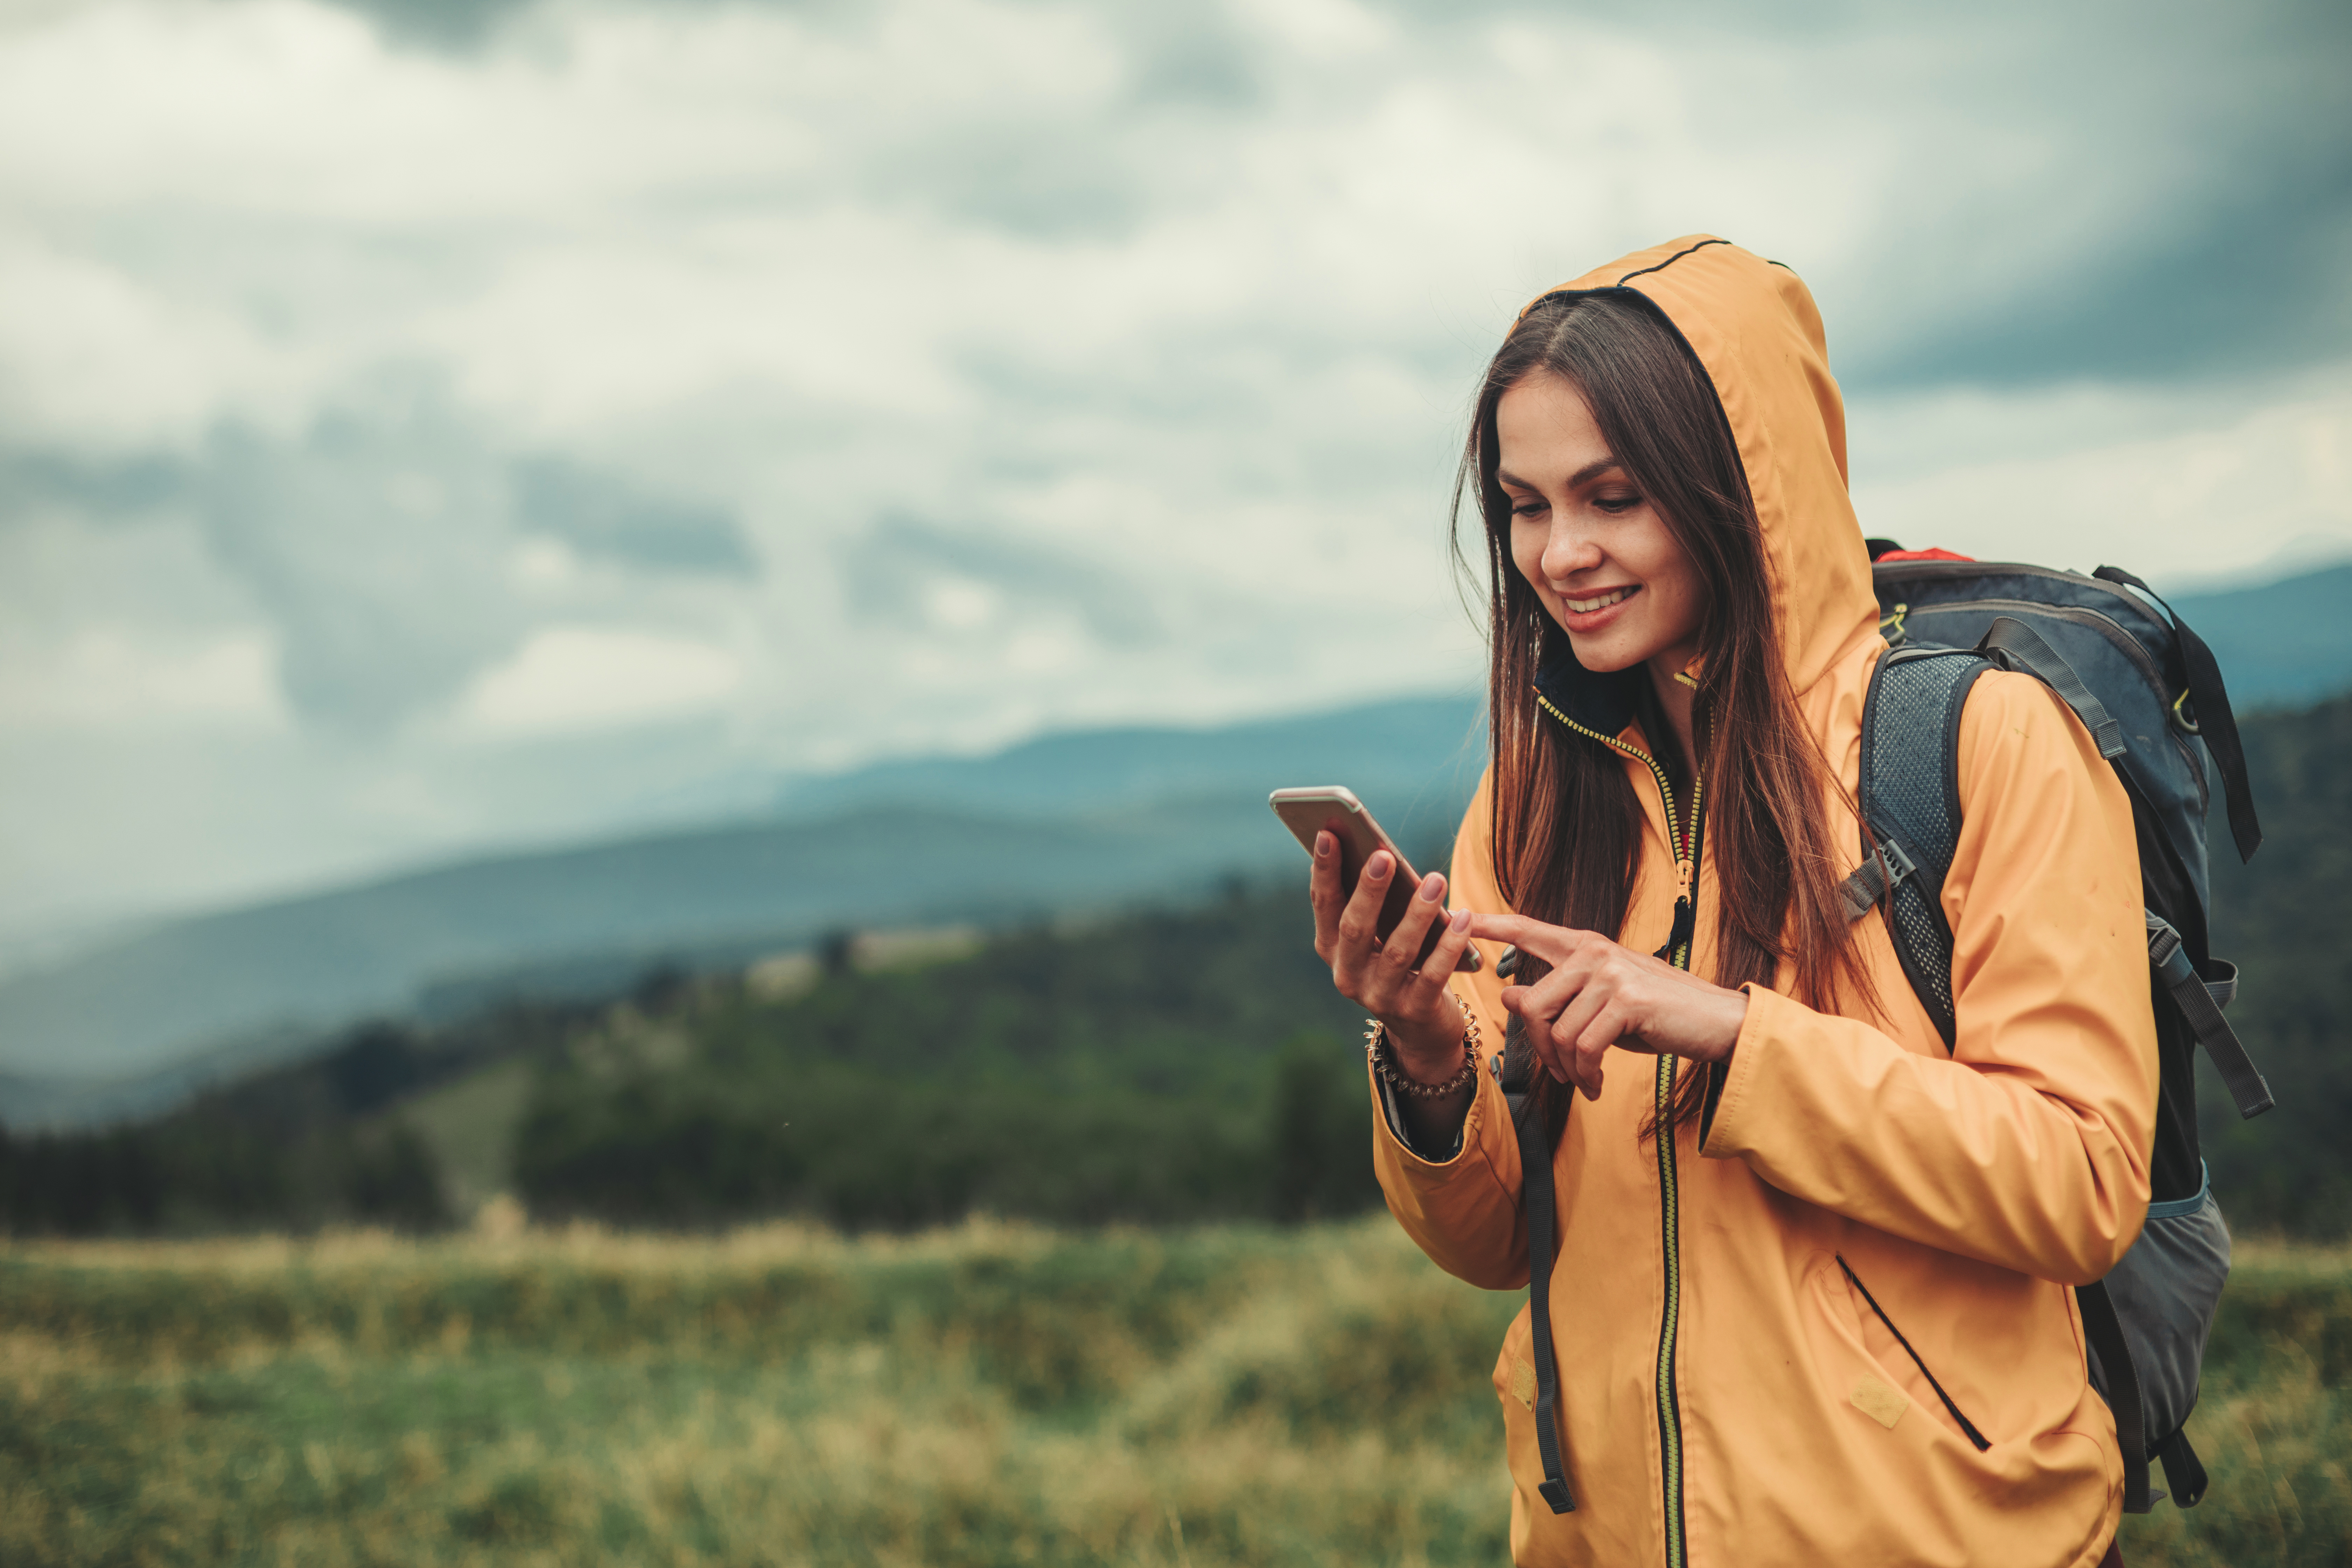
[[995, 1393], [992, 1395]]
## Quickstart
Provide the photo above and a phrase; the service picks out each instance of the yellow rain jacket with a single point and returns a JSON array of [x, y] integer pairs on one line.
[[1728, 1395]]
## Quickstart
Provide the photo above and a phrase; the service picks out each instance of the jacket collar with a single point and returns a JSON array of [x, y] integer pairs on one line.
[[1604, 704]]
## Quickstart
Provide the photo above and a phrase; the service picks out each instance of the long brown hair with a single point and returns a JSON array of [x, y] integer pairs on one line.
[[1567, 822]]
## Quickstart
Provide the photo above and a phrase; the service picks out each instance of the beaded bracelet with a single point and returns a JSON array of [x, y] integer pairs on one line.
[[1377, 1052]]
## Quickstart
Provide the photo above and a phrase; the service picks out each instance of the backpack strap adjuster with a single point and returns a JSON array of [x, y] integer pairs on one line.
[[2201, 1004], [1874, 879]]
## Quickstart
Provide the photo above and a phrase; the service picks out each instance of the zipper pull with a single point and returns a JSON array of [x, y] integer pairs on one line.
[[1677, 948], [1684, 872]]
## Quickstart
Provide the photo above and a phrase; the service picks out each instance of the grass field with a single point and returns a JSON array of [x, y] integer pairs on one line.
[[990, 1394]]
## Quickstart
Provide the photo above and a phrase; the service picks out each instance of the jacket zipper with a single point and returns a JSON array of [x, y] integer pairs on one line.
[[1677, 951]]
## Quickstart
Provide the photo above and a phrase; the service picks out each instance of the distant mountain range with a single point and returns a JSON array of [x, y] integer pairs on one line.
[[2283, 644], [1069, 822], [1060, 824], [1389, 753]]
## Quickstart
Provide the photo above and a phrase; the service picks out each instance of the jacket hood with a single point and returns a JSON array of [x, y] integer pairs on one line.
[[1754, 327]]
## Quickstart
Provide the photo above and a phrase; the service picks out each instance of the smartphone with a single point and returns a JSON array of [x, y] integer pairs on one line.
[[1309, 810]]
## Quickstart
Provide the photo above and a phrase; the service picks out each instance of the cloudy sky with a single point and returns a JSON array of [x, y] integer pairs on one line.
[[426, 424]]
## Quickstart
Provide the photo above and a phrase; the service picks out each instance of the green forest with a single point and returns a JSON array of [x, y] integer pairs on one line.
[[1157, 1067]]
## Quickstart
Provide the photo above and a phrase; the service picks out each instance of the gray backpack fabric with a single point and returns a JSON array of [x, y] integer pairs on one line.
[[2150, 694]]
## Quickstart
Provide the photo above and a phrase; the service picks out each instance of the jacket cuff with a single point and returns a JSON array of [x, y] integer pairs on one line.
[[1729, 1095], [1392, 1109], [1439, 1166]]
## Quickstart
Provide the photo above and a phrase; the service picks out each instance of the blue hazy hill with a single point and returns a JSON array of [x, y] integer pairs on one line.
[[2284, 645], [1069, 822], [1391, 753]]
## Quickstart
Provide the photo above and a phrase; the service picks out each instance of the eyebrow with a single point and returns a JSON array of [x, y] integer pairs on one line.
[[1592, 470]]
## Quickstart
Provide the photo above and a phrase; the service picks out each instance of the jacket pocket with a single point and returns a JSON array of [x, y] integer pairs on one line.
[[1968, 1428]]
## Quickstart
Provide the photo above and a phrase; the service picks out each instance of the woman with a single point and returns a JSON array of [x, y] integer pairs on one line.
[[1809, 1303]]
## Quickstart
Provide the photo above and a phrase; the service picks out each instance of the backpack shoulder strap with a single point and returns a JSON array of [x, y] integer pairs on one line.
[[1910, 802], [1910, 794], [2013, 645], [1514, 1066], [1515, 1071]]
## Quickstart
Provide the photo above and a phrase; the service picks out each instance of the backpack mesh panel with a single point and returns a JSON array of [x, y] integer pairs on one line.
[[1907, 793], [1922, 930]]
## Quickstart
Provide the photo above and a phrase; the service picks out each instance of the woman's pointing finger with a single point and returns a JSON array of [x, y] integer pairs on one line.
[[1551, 943]]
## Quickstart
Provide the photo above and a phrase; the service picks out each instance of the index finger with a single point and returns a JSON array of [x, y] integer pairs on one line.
[[1550, 942]]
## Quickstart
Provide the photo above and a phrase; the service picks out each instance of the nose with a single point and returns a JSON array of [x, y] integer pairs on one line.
[[1569, 550]]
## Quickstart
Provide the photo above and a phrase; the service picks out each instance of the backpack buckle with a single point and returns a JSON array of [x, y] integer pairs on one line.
[[1875, 877]]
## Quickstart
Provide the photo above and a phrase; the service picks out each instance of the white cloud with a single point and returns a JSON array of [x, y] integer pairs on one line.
[[585, 677], [2212, 491], [94, 356], [112, 678]]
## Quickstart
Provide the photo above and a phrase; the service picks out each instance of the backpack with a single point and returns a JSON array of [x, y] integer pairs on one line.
[[2148, 691]]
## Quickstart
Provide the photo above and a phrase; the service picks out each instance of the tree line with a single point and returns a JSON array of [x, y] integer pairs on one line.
[[1166, 1066]]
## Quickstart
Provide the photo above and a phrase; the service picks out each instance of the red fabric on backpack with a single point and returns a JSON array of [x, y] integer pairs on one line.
[[1923, 555]]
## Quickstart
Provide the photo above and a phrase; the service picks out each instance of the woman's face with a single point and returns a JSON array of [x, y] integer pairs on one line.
[[1595, 551]]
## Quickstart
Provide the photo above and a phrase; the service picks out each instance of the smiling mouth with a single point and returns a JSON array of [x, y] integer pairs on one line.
[[1615, 595]]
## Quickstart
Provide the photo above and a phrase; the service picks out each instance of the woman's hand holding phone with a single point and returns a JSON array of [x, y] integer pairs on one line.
[[1601, 994], [1425, 1026]]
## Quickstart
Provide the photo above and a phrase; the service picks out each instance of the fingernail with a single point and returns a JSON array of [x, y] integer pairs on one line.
[[1432, 886], [1323, 842], [1377, 869], [1461, 921]]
